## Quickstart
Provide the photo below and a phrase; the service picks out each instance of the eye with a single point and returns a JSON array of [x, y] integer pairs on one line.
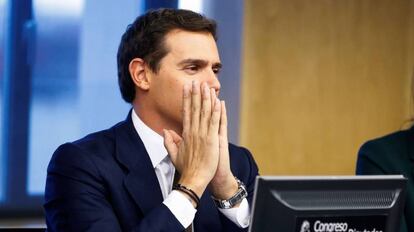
[[216, 70], [191, 69]]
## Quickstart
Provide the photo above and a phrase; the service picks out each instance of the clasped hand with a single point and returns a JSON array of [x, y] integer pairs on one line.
[[201, 153]]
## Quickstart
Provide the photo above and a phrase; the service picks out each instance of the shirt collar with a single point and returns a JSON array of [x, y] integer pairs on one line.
[[153, 142]]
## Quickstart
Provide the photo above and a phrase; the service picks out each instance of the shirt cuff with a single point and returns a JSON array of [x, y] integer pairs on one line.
[[240, 215], [181, 207]]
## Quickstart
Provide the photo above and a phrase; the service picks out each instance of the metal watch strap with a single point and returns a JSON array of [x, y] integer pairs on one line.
[[235, 199]]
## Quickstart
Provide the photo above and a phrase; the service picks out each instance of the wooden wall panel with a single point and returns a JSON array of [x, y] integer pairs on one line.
[[321, 77]]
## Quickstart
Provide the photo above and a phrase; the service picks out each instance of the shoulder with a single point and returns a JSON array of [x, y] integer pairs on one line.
[[388, 153], [239, 153], [87, 150], [392, 143]]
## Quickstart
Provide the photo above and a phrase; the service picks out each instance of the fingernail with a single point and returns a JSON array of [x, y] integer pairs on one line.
[[217, 104]]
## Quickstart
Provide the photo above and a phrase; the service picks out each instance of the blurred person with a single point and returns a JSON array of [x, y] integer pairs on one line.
[[392, 154], [175, 137]]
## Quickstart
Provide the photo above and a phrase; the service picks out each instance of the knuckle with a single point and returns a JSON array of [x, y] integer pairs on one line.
[[186, 135], [200, 137], [194, 133], [214, 120], [194, 107], [210, 141], [204, 112]]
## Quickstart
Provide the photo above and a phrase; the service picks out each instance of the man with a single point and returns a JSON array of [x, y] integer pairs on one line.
[[121, 178]]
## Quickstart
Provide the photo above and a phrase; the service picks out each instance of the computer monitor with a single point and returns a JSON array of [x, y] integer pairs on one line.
[[328, 203]]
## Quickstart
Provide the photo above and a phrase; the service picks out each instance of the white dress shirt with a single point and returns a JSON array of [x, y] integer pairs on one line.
[[178, 204]]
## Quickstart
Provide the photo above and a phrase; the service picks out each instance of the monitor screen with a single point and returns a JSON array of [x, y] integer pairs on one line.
[[328, 203]]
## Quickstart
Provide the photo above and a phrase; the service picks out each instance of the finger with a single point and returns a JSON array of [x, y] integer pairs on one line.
[[224, 162], [223, 126], [195, 107], [176, 138], [205, 109], [213, 98], [186, 109], [170, 145], [215, 119]]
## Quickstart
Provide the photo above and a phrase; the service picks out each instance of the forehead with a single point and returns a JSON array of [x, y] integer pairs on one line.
[[195, 45]]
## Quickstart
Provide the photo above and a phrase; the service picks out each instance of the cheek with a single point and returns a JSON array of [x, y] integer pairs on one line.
[[174, 95], [177, 86]]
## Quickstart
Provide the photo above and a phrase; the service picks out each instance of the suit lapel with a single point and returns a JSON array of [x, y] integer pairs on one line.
[[140, 181]]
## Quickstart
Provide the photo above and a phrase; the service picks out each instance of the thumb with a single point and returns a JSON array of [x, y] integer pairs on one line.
[[171, 145], [176, 138]]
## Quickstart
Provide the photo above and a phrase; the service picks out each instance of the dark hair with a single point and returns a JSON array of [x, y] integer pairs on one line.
[[144, 38]]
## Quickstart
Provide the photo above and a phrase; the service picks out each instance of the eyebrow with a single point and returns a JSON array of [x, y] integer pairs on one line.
[[198, 62]]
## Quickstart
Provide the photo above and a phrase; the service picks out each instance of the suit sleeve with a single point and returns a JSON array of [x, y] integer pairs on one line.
[[246, 170], [76, 199]]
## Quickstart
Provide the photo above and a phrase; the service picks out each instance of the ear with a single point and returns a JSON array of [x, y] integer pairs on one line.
[[137, 70]]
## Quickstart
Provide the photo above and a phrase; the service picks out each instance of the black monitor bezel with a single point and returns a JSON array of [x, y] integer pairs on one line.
[[264, 184]]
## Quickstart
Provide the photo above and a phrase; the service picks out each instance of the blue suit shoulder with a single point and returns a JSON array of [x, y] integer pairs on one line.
[[99, 144], [88, 156]]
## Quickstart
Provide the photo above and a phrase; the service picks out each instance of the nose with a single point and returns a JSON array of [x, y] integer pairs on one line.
[[213, 82]]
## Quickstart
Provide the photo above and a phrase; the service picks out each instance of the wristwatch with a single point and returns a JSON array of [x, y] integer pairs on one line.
[[235, 199]]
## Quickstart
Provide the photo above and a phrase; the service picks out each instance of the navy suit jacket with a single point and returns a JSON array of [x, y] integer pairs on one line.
[[106, 182]]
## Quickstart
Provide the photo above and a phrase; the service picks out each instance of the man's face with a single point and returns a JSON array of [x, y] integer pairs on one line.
[[192, 56]]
